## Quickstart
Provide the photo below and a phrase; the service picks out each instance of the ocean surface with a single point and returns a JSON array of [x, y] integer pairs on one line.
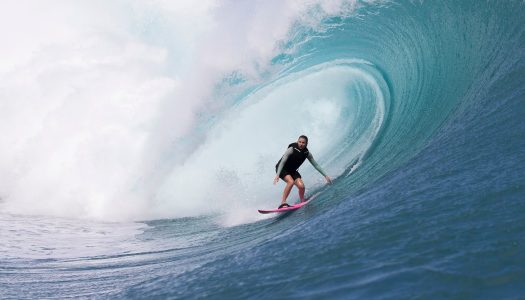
[[136, 152]]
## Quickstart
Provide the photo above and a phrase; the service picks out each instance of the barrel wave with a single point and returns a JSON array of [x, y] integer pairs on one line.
[[416, 110]]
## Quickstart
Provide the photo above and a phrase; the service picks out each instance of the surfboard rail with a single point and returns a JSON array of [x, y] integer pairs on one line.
[[284, 209]]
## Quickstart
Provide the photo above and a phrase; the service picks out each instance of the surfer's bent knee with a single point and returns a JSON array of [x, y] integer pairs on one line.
[[299, 184]]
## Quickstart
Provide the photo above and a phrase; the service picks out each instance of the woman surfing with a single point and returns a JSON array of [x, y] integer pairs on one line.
[[287, 167]]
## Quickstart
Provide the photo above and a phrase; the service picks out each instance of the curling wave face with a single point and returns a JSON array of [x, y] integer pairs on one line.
[[340, 103], [163, 140]]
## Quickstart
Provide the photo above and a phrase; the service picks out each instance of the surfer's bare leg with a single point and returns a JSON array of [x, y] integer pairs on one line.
[[300, 185], [289, 185]]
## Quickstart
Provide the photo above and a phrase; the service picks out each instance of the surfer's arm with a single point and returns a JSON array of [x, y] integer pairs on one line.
[[318, 167], [287, 154], [315, 164]]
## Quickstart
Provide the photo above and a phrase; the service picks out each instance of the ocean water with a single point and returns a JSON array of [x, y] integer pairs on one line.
[[139, 141]]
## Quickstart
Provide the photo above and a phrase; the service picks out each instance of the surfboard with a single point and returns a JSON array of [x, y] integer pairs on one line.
[[284, 209]]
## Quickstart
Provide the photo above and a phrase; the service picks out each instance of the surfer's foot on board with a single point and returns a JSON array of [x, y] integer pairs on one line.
[[284, 205]]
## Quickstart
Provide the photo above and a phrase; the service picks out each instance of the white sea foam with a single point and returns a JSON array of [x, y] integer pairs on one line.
[[95, 97]]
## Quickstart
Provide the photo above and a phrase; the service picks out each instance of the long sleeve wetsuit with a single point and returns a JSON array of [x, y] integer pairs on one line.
[[310, 158]]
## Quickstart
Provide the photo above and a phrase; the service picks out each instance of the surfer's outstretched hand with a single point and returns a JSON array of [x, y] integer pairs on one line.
[[275, 180], [328, 179]]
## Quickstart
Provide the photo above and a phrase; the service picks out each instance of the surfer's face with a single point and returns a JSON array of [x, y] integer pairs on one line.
[[302, 143]]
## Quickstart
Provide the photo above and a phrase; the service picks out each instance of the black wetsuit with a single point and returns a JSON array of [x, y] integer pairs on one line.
[[292, 159]]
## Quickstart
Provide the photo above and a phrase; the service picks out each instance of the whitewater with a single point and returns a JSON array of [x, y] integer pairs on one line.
[[140, 138]]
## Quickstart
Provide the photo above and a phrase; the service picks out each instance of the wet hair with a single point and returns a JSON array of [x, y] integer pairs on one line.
[[304, 137]]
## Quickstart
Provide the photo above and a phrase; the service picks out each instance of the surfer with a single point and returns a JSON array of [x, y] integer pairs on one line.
[[287, 166]]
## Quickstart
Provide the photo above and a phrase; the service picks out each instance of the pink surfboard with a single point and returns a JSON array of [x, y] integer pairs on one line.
[[284, 209]]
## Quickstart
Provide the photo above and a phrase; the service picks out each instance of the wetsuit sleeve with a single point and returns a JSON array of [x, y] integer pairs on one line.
[[287, 154], [315, 164]]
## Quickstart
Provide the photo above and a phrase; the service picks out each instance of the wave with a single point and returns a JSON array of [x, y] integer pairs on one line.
[[131, 124], [179, 114]]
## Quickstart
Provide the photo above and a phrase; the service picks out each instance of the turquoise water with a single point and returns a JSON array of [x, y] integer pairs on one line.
[[417, 111]]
